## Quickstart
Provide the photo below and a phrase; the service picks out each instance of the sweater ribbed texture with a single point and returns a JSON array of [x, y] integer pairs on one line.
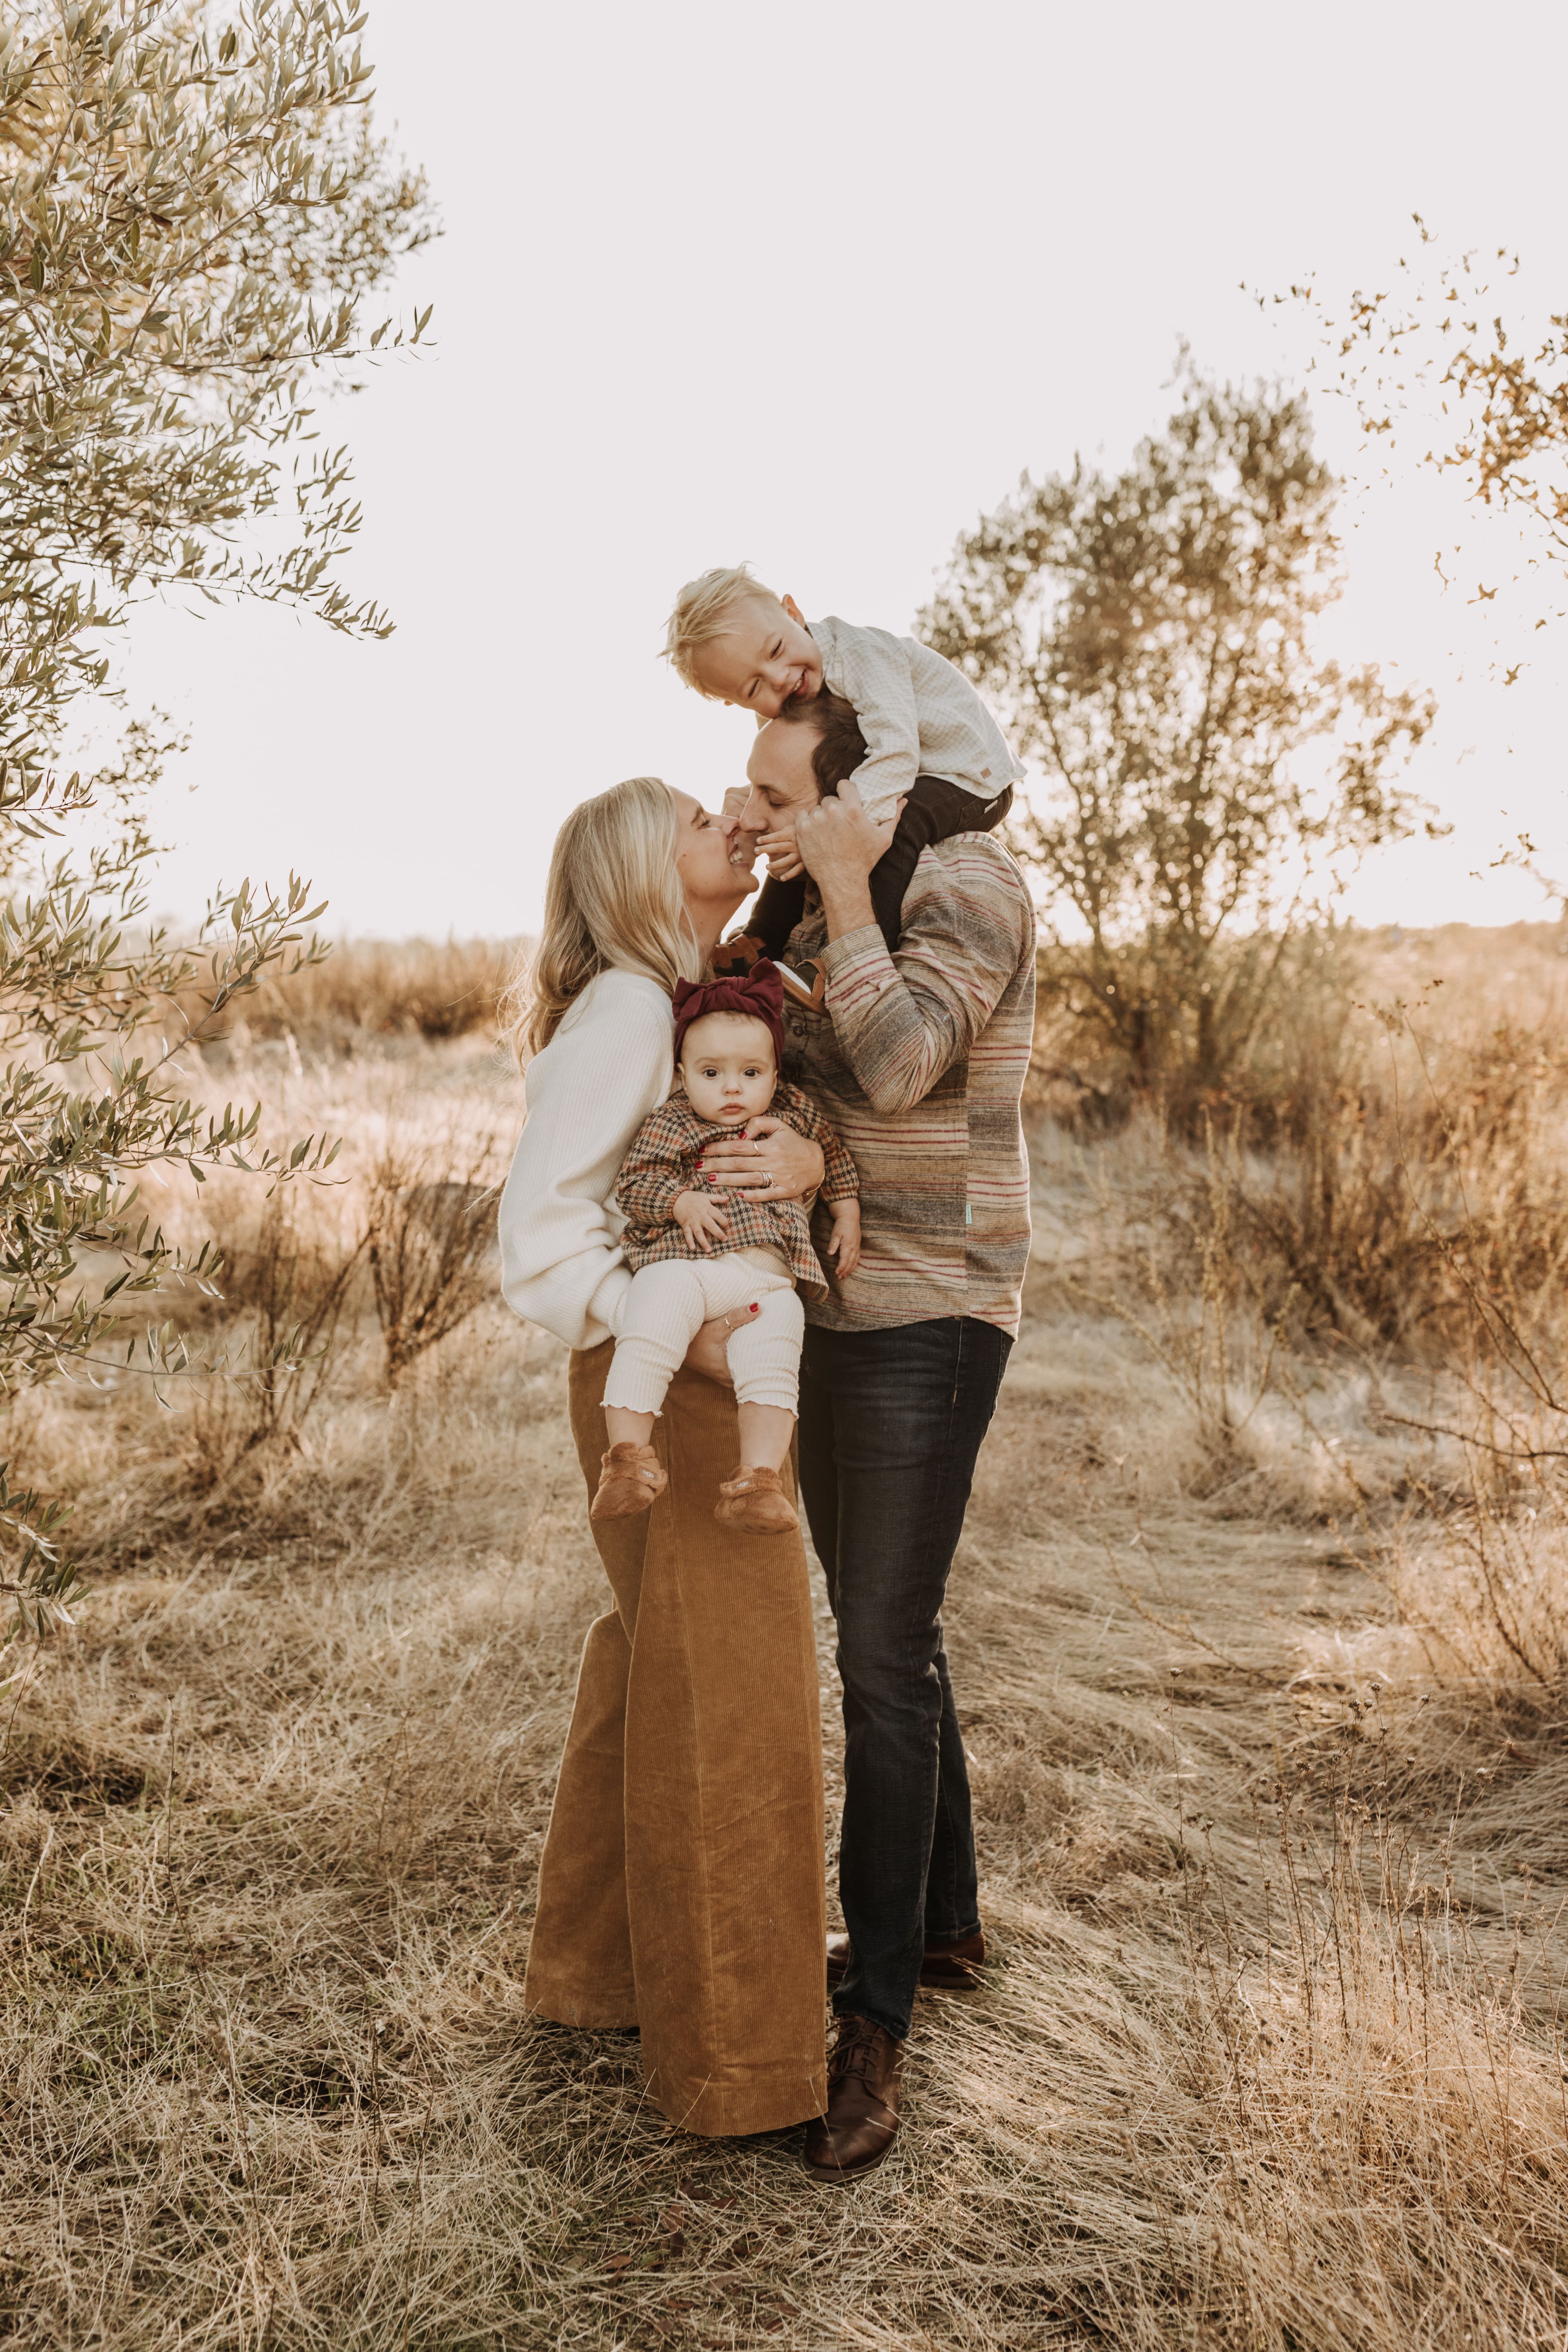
[[611, 1062]]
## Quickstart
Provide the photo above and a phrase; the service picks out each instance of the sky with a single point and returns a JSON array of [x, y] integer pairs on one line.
[[812, 287]]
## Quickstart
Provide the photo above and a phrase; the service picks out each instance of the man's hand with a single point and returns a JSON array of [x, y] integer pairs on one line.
[[701, 1219], [708, 1352], [770, 1147], [844, 1242], [838, 844]]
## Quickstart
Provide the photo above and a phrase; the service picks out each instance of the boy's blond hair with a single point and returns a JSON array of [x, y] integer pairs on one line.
[[702, 611]]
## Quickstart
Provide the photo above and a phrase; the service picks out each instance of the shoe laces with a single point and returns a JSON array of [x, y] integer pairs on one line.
[[852, 2051]]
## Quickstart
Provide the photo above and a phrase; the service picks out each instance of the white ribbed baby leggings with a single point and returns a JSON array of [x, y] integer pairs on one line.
[[666, 1306]]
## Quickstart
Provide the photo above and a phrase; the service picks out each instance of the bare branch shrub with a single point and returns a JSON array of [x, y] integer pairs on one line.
[[431, 1237], [1420, 1213], [289, 1292], [1404, 1189]]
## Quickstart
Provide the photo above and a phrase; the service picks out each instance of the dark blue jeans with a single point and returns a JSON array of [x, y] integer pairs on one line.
[[891, 1423]]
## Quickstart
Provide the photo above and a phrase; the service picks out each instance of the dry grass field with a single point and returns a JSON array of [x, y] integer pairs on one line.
[[1260, 1626]]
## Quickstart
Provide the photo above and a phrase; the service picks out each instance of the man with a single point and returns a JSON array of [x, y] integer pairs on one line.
[[917, 1058]]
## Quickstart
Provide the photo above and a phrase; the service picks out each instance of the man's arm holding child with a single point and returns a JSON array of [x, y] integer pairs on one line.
[[902, 1020], [840, 1181]]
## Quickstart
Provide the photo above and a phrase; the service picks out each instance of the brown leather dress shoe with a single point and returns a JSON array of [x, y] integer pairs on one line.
[[755, 1498], [629, 1479], [862, 2119], [946, 1967]]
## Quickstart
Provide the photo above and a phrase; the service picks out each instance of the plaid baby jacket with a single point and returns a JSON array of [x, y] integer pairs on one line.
[[662, 1163]]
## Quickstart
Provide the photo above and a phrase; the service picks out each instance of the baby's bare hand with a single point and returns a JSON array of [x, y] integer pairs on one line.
[[701, 1219]]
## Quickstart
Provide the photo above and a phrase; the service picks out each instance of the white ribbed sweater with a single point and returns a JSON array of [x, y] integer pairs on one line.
[[610, 1062]]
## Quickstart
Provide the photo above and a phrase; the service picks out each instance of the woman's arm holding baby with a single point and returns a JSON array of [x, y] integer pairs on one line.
[[770, 1148], [586, 1096]]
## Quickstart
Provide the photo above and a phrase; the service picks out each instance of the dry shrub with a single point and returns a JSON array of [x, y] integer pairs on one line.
[[382, 988], [1486, 1591], [1380, 1156], [1442, 1170], [287, 1296], [431, 1238], [1268, 2061]]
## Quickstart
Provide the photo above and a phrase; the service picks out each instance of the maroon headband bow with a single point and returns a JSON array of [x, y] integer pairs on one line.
[[759, 992]]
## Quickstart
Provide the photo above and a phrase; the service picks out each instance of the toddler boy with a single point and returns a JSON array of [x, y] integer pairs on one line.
[[698, 1253], [930, 740]]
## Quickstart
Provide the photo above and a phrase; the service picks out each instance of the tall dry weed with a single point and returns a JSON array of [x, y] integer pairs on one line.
[[431, 1241], [369, 989], [1270, 1816]]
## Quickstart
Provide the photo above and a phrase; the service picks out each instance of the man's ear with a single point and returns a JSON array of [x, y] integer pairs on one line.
[[793, 609]]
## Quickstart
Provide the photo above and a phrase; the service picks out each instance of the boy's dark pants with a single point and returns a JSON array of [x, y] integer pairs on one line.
[[891, 1423], [934, 811]]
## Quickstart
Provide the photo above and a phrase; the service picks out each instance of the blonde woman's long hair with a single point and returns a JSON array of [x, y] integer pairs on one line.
[[613, 902]]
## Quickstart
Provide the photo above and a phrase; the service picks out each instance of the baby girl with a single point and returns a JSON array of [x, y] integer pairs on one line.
[[698, 1253]]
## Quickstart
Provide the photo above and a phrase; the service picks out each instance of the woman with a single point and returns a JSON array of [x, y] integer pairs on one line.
[[681, 1885]]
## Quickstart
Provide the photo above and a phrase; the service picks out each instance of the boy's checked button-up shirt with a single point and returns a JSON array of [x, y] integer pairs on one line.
[[662, 1164]]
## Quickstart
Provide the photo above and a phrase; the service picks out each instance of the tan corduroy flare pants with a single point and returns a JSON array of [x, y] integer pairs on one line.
[[681, 1885]]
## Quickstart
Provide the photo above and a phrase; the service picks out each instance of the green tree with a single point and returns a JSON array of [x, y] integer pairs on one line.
[[193, 207], [1150, 636]]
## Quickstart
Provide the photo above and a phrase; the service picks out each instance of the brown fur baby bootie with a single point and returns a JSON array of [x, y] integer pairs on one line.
[[755, 1499], [629, 1481]]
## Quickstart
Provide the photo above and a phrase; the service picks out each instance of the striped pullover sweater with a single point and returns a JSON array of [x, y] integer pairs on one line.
[[918, 1060]]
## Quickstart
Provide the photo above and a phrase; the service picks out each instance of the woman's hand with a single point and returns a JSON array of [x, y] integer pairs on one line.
[[708, 1352], [769, 1147]]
